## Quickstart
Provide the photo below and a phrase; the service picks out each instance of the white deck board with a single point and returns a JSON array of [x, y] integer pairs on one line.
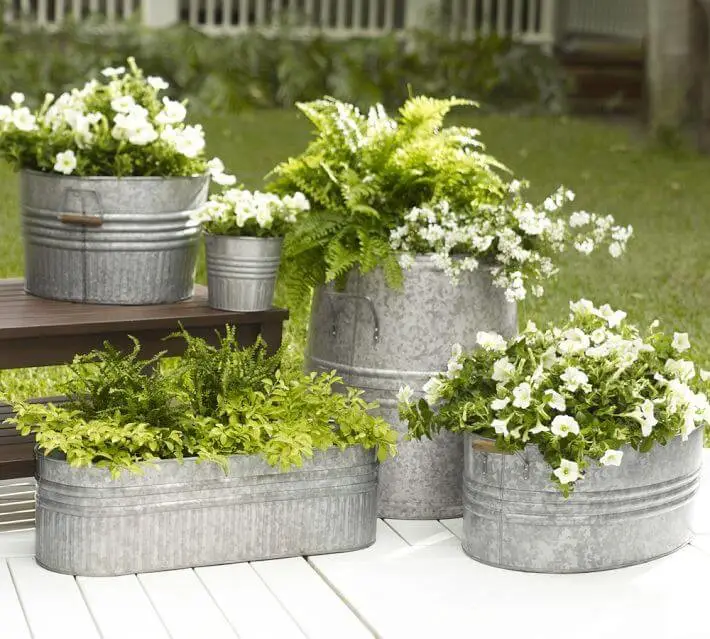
[[421, 533], [185, 606], [12, 619], [253, 611], [19, 543], [48, 599], [317, 609], [109, 597], [454, 525]]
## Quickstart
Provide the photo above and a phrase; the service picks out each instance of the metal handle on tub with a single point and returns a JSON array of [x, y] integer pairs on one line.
[[334, 326], [80, 218]]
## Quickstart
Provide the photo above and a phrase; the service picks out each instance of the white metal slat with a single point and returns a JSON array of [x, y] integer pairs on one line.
[[12, 619], [17, 509], [517, 28]]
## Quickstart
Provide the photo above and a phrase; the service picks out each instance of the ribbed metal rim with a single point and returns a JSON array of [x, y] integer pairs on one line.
[[104, 178], [243, 238]]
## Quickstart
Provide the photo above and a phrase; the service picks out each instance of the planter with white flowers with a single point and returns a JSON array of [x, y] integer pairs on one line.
[[415, 240], [583, 442], [244, 234], [110, 177]]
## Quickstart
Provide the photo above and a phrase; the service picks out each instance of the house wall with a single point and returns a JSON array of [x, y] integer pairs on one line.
[[613, 18]]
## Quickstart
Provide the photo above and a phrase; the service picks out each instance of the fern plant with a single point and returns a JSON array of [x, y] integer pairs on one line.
[[212, 403], [362, 173], [383, 189]]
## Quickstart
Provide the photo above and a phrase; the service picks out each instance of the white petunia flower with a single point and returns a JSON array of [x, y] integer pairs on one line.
[[500, 404], [503, 370], [681, 369], [123, 104], [568, 472], [17, 98], [616, 250], [522, 395], [143, 135], [190, 141], [432, 390], [113, 72], [574, 379], [539, 428], [598, 335], [173, 112], [157, 83], [573, 341], [582, 307], [556, 401], [23, 120], [704, 375], [680, 342], [501, 426], [585, 246], [611, 458], [490, 341], [65, 162], [644, 414], [563, 425], [405, 394], [549, 358], [613, 318], [579, 218]]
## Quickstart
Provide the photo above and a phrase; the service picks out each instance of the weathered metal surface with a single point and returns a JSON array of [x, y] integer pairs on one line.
[[515, 518], [379, 339], [177, 515], [241, 271], [107, 240]]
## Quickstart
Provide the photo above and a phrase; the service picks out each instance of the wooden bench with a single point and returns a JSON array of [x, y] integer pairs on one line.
[[39, 332]]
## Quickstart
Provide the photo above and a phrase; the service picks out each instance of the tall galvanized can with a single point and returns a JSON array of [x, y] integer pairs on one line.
[[515, 518], [107, 240], [378, 339], [177, 515], [241, 271]]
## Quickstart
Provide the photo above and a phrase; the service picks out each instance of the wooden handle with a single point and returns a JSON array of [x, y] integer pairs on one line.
[[83, 220], [486, 446]]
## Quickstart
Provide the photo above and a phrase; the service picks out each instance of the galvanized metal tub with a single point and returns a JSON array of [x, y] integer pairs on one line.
[[379, 339], [241, 271], [617, 516], [177, 515], [107, 240]]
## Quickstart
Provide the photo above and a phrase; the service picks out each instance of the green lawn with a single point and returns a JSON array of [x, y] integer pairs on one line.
[[663, 196]]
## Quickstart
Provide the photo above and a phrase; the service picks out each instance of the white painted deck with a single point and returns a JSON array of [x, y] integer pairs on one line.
[[415, 582]]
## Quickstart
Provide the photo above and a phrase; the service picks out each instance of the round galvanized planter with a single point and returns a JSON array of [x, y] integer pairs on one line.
[[515, 518], [241, 271], [177, 515], [379, 339], [106, 240]]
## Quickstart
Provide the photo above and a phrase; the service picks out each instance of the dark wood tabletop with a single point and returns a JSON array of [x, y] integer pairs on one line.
[[40, 332]]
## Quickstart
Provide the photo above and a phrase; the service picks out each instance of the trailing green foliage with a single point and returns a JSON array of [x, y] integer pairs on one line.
[[251, 70], [212, 403]]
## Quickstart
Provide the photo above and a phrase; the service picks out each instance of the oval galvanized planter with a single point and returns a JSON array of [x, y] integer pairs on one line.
[[177, 515], [379, 339], [515, 518], [241, 271], [107, 240]]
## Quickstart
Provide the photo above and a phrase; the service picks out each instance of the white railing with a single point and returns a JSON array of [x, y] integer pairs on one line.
[[530, 21], [613, 18]]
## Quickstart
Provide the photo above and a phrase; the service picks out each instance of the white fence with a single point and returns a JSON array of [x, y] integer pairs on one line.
[[613, 18], [530, 21]]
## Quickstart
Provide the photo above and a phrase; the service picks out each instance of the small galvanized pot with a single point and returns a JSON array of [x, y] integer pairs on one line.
[[378, 339], [177, 515], [516, 518], [107, 240], [241, 271]]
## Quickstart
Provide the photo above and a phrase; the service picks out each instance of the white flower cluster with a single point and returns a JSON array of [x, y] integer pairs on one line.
[[516, 237], [550, 383], [236, 210], [88, 118]]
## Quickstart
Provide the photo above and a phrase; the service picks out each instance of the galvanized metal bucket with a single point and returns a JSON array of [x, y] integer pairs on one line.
[[378, 339], [617, 516], [241, 271], [177, 515], [107, 240]]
